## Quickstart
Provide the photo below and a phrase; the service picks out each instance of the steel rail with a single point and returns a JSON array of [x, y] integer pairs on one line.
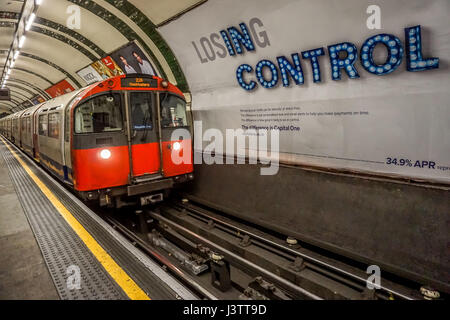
[[292, 251], [226, 252], [178, 272]]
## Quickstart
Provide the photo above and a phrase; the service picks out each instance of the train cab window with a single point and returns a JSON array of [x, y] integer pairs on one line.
[[54, 122], [141, 110], [43, 129], [99, 114], [173, 111], [23, 124]]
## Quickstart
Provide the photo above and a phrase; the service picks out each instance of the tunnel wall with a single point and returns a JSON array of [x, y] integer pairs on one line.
[[402, 228], [394, 124]]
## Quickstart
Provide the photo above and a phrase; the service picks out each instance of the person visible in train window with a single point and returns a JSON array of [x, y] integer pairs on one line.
[[145, 66], [128, 69]]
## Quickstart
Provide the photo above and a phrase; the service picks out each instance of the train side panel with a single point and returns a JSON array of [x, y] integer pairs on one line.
[[49, 135], [27, 130]]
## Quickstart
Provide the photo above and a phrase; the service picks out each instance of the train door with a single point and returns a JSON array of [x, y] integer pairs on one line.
[[144, 142], [67, 155], [35, 135], [23, 127]]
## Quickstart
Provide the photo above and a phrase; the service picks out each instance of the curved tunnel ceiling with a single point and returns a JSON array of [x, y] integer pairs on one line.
[[54, 52]]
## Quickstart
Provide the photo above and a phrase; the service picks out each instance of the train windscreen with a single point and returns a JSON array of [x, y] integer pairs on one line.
[[141, 110], [99, 114], [173, 111]]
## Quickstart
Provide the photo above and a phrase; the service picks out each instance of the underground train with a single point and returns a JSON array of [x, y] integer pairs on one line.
[[110, 141]]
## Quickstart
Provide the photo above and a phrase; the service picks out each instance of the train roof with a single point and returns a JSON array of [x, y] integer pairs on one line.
[[135, 82]]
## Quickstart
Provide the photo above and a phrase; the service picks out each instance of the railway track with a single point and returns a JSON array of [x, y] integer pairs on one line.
[[218, 257]]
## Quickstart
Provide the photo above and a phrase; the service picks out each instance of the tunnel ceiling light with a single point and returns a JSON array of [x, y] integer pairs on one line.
[[30, 21], [39, 2], [16, 54], [11, 65], [22, 41], [8, 72]]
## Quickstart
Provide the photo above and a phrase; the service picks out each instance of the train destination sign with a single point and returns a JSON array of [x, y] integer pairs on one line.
[[139, 82], [5, 95]]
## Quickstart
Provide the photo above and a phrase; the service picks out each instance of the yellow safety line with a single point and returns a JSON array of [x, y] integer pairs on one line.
[[127, 284]]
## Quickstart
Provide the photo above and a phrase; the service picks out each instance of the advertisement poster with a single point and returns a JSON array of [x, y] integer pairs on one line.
[[5, 95], [60, 88], [131, 59], [264, 64], [89, 75], [112, 65], [102, 70], [37, 99], [26, 104]]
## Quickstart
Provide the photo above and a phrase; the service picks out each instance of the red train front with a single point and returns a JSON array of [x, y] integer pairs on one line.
[[122, 147]]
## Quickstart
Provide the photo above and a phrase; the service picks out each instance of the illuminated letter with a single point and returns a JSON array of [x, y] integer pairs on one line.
[[286, 68], [259, 74], [414, 59], [312, 55], [241, 38], [247, 86], [225, 38], [395, 54], [346, 63]]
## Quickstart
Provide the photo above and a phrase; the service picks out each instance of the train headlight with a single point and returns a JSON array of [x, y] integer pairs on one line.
[[105, 154], [176, 146]]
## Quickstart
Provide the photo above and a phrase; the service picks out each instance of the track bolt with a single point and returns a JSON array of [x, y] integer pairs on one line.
[[429, 293], [291, 241], [216, 257], [211, 224], [245, 242], [298, 264]]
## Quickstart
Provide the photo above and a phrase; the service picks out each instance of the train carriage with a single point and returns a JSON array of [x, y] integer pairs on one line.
[[15, 127], [111, 141], [27, 123]]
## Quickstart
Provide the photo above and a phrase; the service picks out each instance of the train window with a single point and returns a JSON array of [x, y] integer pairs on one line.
[[43, 125], [173, 111], [23, 124], [54, 122], [99, 114], [141, 110], [29, 125]]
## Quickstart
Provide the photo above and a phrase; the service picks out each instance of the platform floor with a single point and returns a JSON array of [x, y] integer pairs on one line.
[[23, 273], [53, 246]]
